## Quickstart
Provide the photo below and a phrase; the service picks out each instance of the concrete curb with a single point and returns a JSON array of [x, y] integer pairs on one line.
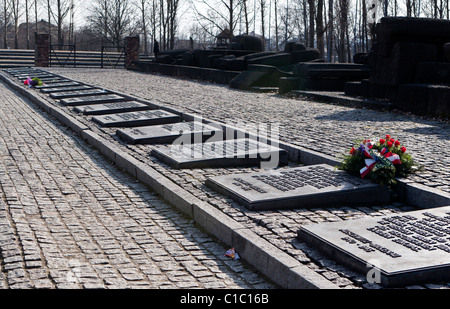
[[277, 265]]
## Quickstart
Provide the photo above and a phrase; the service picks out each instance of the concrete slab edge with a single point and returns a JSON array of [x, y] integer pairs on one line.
[[277, 265]]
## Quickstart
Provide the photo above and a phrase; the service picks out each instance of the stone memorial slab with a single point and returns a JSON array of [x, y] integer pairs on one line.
[[135, 119], [395, 251], [77, 94], [66, 89], [59, 85], [168, 133], [38, 75], [24, 74], [51, 81], [112, 108], [21, 71], [228, 153], [96, 99], [301, 187]]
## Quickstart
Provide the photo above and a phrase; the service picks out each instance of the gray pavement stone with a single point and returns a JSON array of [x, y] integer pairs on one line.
[[70, 219]]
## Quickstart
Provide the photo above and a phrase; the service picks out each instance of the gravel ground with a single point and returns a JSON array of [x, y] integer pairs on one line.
[[325, 128]]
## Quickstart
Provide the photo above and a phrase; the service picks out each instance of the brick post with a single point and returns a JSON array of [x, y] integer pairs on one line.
[[41, 50], [131, 52]]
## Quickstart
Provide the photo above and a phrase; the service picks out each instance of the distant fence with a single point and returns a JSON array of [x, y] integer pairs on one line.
[[10, 58]]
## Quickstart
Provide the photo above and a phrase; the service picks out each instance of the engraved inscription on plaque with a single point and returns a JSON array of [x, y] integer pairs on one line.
[[309, 186], [241, 152], [168, 133], [36, 75], [58, 85], [408, 248], [96, 99], [79, 93], [130, 119], [66, 89], [110, 108]]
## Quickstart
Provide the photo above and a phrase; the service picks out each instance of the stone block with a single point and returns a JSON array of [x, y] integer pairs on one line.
[[42, 50], [305, 55], [257, 76], [432, 31], [433, 73], [446, 49], [414, 98], [291, 47], [131, 52], [400, 66], [439, 101], [276, 60]]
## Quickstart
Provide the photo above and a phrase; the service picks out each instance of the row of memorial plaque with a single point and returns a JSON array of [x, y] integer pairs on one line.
[[396, 250]]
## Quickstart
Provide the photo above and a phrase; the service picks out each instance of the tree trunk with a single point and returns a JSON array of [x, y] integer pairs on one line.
[[5, 25], [320, 29], [330, 30], [312, 13], [277, 32]]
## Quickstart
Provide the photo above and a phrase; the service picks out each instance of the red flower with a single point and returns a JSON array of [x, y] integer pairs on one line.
[[353, 151], [397, 143], [403, 149], [382, 141], [388, 137], [389, 144]]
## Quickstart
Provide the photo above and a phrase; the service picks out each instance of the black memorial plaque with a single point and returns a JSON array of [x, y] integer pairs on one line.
[[112, 108], [397, 250], [58, 85], [49, 82], [96, 99], [134, 119], [77, 94], [22, 71], [228, 153], [168, 133], [302, 187], [36, 75], [66, 89]]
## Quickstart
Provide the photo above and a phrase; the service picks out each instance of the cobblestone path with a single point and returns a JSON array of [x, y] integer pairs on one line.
[[70, 219]]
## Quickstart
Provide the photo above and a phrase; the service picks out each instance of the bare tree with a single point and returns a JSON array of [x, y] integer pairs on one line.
[[112, 19], [343, 30], [320, 30], [277, 27], [16, 14], [6, 18], [143, 6], [220, 13], [245, 9], [262, 11]]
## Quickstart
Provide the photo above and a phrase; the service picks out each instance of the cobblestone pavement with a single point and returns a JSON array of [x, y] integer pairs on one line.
[[325, 128], [71, 219]]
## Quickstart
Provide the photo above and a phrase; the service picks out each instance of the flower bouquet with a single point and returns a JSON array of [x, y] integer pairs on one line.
[[381, 161], [31, 82]]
